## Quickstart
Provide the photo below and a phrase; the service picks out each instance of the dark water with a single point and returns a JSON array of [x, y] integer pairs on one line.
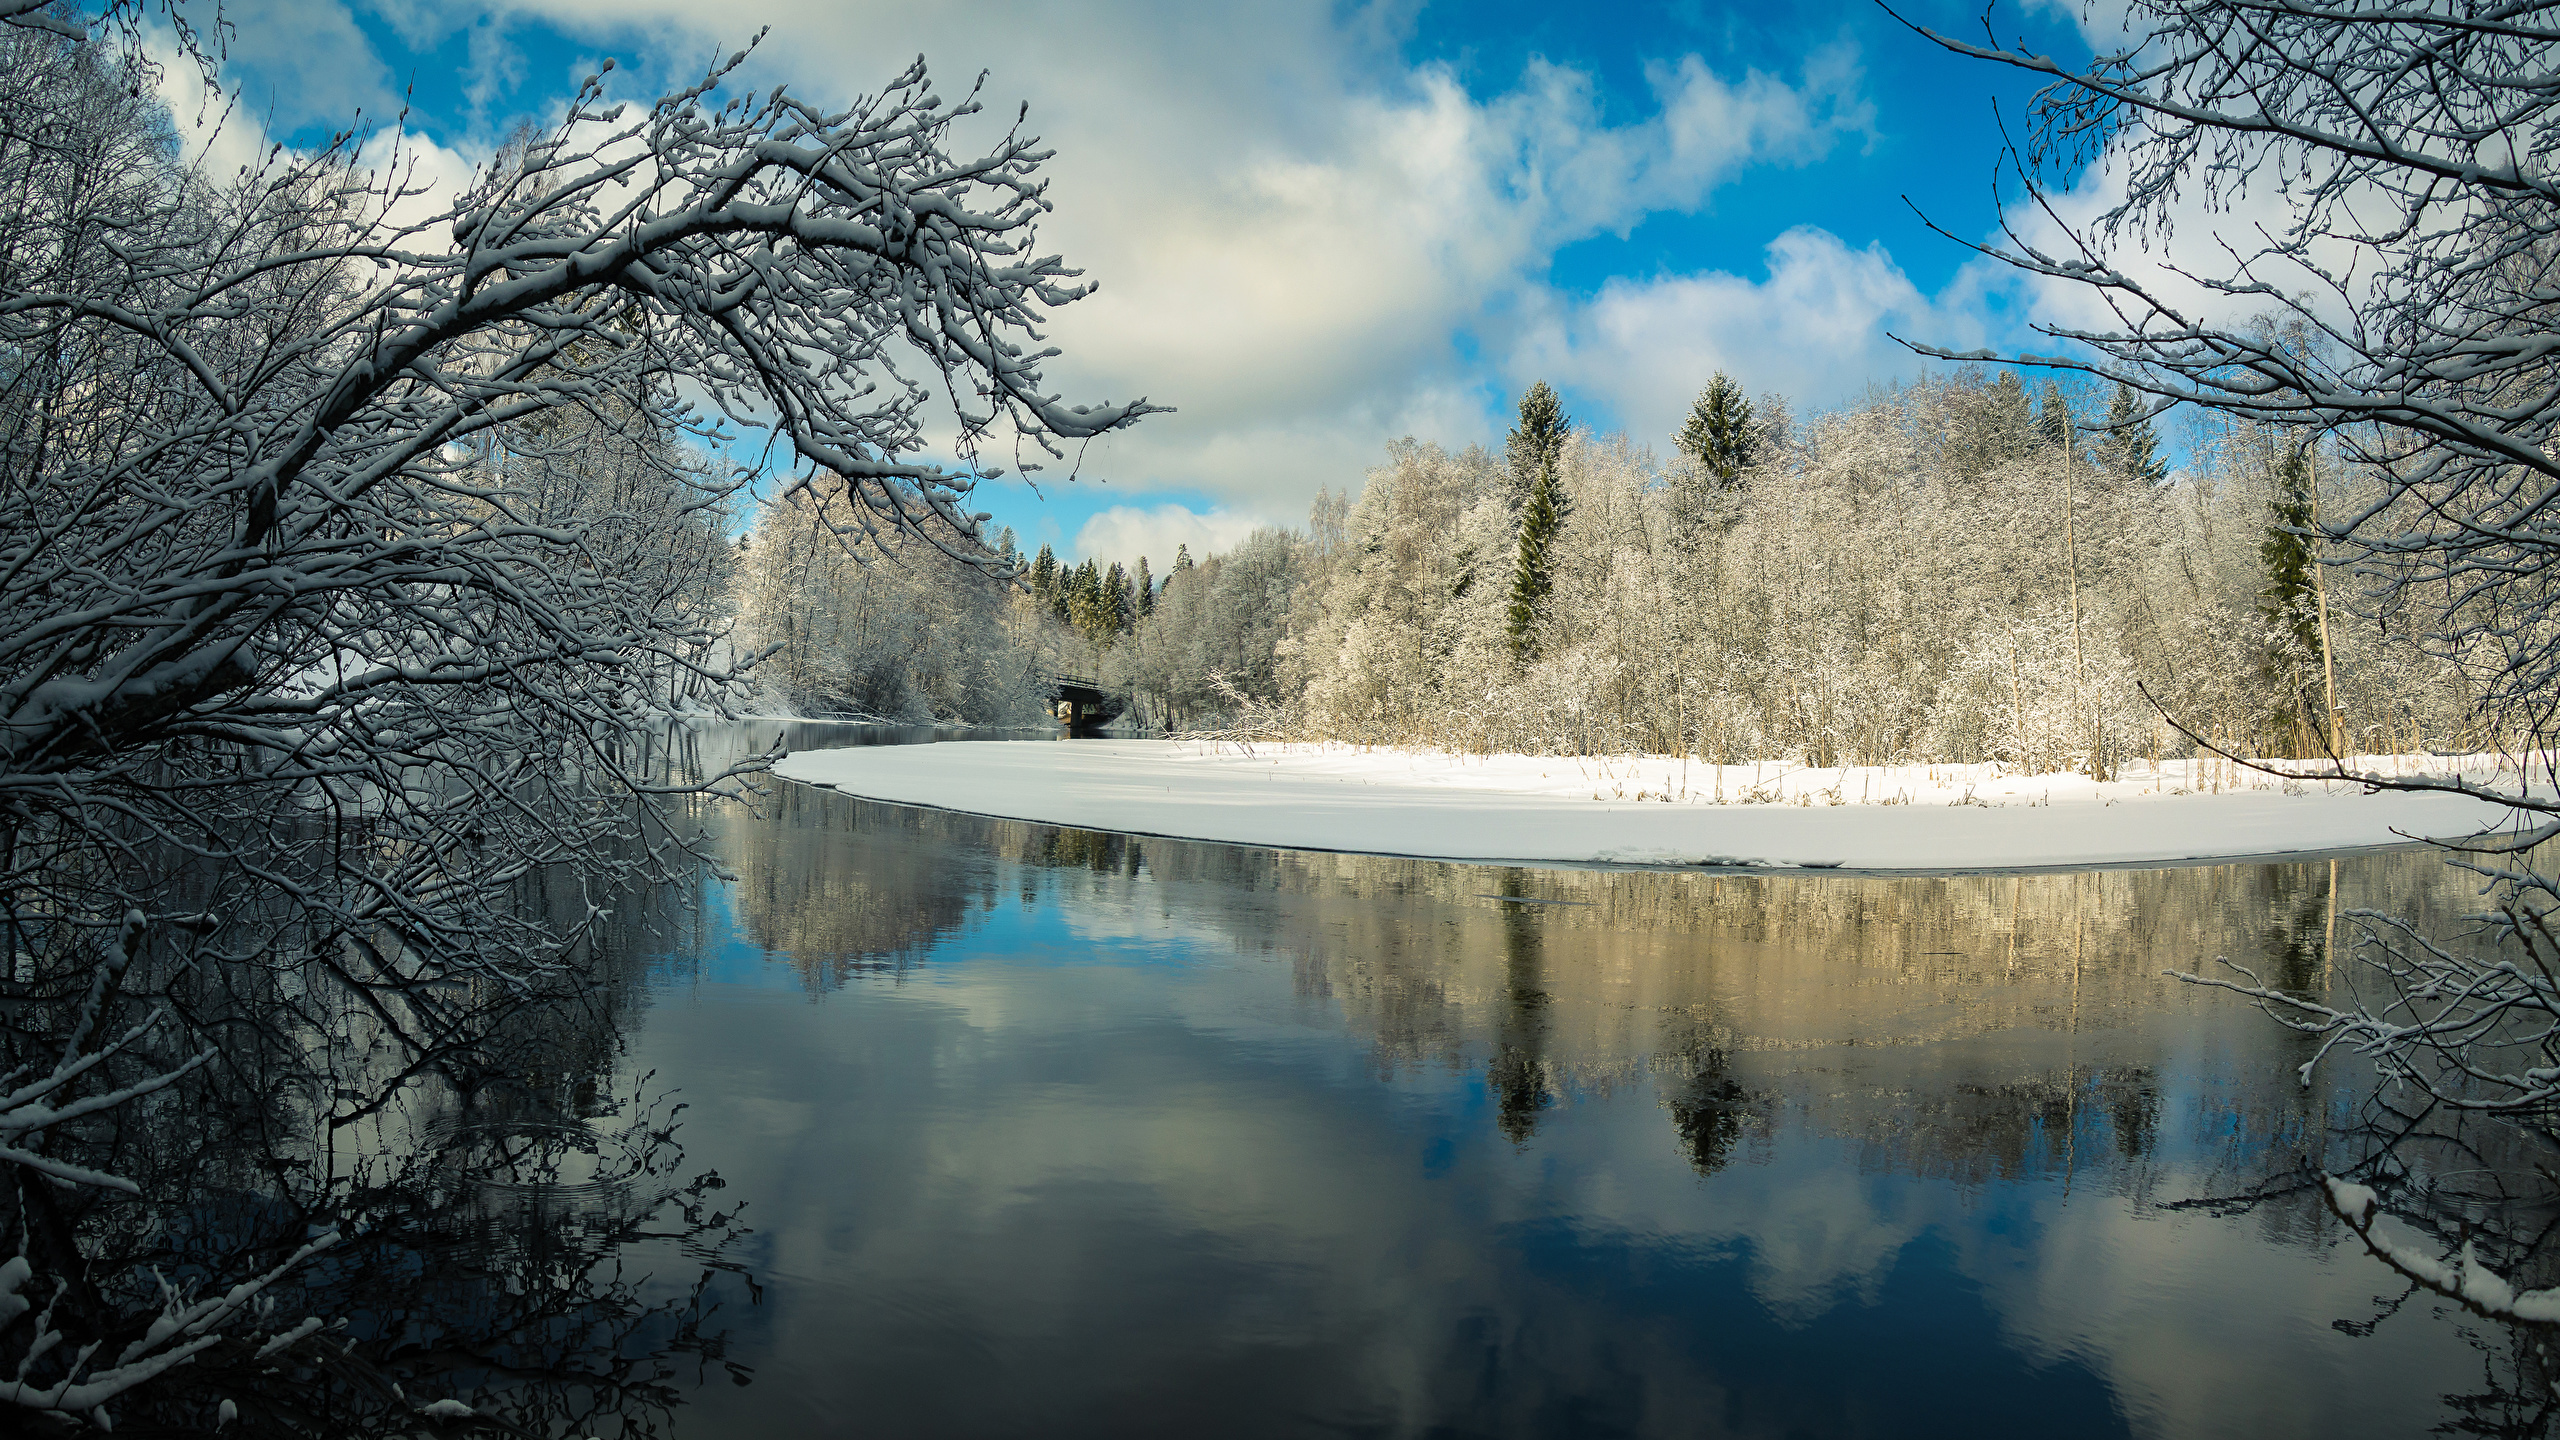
[[1028, 1131]]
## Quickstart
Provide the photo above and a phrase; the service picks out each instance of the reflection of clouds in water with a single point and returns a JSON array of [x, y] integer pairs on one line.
[[2200, 1324], [995, 1183], [1275, 1167], [1134, 924], [2119, 1286]]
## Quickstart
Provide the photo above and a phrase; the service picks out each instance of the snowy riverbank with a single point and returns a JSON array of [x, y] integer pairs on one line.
[[1647, 811]]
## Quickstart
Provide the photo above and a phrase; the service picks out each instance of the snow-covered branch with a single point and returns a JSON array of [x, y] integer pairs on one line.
[[2463, 1278], [352, 564]]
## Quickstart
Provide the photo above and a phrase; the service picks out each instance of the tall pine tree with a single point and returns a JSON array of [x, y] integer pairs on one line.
[[1536, 446], [2053, 417], [2131, 450], [1119, 608], [1081, 596], [1719, 434], [1044, 576], [2011, 414], [1721, 439], [1146, 590], [2291, 600]]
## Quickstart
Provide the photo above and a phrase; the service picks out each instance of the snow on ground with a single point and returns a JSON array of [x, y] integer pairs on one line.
[[1649, 810]]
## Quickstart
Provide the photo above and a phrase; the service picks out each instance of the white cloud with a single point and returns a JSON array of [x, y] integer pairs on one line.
[[1304, 243], [2106, 24], [223, 134], [1125, 532], [1311, 247], [311, 62], [1815, 328], [215, 134]]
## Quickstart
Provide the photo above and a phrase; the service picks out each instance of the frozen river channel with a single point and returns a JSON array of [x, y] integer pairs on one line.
[[1024, 1130]]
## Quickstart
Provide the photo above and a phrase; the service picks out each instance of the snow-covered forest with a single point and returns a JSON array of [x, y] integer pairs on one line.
[[1933, 573]]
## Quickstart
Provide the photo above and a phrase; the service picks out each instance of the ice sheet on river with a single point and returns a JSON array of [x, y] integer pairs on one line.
[[1534, 808]]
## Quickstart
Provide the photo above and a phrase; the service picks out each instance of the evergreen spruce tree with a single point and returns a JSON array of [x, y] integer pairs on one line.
[[1079, 595], [1722, 440], [1720, 434], [1538, 444], [2013, 417], [2053, 417], [2290, 602], [1044, 576], [1119, 608], [1181, 560], [2131, 450], [1996, 426], [1146, 590]]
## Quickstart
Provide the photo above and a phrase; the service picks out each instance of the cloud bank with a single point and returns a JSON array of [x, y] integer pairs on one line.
[[1306, 242]]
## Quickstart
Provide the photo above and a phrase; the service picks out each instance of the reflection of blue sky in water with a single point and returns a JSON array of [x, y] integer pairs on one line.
[[1121, 1161]]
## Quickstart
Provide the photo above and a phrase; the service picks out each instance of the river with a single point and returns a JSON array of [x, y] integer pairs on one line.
[[1020, 1130]]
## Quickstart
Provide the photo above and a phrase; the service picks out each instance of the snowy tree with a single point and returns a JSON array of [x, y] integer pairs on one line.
[[2409, 151], [2129, 450], [2054, 425], [1721, 440], [2290, 600], [352, 560], [1868, 598], [1536, 452], [898, 632], [1217, 631], [1325, 519], [1990, 425], [1119, 604], [1044, 576], [1535, 446], [1720, 433]]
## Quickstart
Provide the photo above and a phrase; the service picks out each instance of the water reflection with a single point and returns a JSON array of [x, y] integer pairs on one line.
[[1081, 1134], [484, 1155]]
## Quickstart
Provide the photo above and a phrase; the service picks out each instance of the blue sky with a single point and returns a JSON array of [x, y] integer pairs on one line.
[[1318, 227]]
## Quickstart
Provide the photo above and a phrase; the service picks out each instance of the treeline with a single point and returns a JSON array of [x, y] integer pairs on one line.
[[897, 630], [1959, 569], [1952, 569], [911, 634]]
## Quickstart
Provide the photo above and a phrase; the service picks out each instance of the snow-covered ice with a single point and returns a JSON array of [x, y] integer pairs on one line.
[[1647, 810]]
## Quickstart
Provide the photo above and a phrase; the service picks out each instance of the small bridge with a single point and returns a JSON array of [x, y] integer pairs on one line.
[[1081, 704]]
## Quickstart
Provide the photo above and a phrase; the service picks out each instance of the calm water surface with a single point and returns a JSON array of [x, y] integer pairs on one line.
[[1036, 1131]]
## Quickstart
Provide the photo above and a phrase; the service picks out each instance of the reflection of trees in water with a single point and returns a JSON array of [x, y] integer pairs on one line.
[[836, 886], [332, 1079], [1973, 1131], [1973, 1027], [485, 1273], [1712, 1111], [505, 1297], [1517, 1069], [833, 888]]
